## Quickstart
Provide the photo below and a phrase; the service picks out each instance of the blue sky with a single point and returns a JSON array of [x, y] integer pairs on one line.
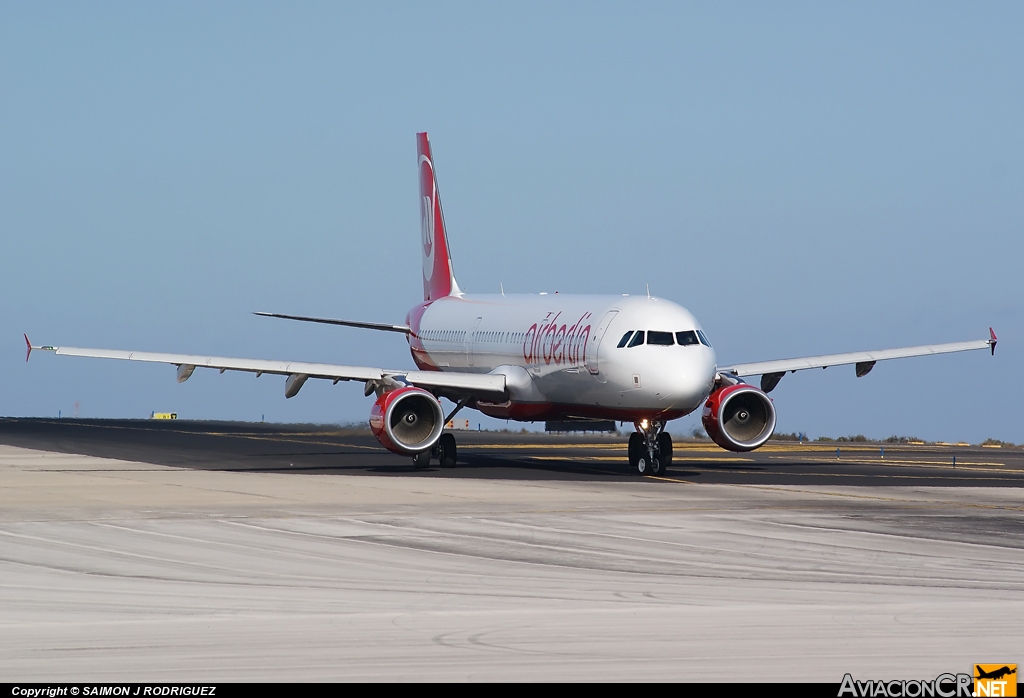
[[806, 178]]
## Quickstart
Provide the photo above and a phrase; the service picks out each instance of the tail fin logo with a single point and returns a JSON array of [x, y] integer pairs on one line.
[[428, 216], [438, 279]]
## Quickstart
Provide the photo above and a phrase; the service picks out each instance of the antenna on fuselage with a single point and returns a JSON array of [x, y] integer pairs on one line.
[[648, 290], [502, 287]]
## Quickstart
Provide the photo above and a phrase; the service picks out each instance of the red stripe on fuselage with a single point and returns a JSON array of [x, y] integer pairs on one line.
[[543, 411]]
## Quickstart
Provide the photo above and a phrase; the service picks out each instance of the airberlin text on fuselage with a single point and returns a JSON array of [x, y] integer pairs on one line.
[[550, 342]]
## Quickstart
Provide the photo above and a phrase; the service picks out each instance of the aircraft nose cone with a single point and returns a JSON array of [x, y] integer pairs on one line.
[[690, 385]]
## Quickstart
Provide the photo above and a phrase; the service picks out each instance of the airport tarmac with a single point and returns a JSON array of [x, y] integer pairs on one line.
[[188, 551]]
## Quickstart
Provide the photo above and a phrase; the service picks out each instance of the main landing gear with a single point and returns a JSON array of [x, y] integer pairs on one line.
[[650, 449], [443, 452]]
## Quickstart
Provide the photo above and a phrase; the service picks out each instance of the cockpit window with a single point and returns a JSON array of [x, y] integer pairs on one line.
[[638, 338], [687, 338], [703, 338], [625, 338], [663, 339]]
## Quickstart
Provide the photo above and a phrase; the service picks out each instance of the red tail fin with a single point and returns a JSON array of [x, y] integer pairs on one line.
[[438, 277]]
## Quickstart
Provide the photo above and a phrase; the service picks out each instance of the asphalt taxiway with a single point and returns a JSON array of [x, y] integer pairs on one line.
[[137, 550]]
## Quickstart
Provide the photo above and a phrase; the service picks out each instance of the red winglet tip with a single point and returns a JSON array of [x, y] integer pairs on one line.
[[992, 342], [992, 334], [28, 344]]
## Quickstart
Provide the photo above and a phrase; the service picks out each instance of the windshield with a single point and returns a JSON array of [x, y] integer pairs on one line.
[[686, 338]]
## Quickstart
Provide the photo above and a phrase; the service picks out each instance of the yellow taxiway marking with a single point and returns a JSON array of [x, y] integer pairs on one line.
[[877, 476], [336, 444], [848, 447], [852, 495], [716, 459], [946, 463], [897, 463], [622, 460], [577, 458], [672, 479]]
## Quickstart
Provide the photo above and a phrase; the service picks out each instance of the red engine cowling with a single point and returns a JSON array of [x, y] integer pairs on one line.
[[407, 420], [739, 417]]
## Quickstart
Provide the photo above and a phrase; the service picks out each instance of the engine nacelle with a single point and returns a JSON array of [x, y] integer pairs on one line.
[[739, 417], [407, 420]]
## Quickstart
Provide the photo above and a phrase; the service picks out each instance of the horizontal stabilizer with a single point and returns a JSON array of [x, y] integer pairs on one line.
[[404, 329]]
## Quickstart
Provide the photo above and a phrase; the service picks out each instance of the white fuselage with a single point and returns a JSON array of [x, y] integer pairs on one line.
[[561, 357]]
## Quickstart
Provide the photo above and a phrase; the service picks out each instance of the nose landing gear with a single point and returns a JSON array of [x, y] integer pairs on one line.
[[650, 449]]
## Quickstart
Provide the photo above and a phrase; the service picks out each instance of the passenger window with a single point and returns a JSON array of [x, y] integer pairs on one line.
[[703, 338], [662, 339], [638, 338], [625, 338], [687, 338]]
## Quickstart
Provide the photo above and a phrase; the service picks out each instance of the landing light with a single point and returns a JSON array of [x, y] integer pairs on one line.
[[643, 423]]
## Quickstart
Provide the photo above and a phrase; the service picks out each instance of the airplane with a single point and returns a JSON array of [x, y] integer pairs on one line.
[[536, 357], [995, 674]]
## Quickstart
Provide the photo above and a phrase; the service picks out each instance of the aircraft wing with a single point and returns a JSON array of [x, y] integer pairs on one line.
[[772, 371], [473, 384]]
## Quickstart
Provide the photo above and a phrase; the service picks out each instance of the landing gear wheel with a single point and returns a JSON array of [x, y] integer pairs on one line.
[[655, 466], [665, 451], [446, 445], [421, 459], [642, 466], [636, 446]]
